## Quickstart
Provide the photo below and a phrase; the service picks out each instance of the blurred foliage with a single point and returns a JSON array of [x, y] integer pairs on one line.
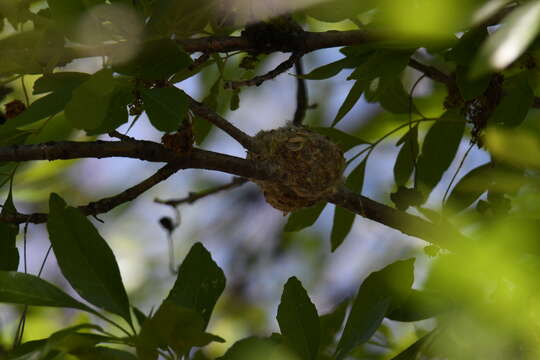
[[440, 75]]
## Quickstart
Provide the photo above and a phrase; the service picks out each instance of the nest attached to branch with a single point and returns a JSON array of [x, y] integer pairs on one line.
[[308, 166]]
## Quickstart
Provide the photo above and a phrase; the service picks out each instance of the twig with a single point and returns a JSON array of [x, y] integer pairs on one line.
[[199, 61], [301, 94], [203, 111], [258, 80], [433, 73], [106, 204], [237, 181], [116, 134]]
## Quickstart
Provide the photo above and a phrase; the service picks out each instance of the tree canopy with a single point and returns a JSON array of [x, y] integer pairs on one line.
[[449, 81]]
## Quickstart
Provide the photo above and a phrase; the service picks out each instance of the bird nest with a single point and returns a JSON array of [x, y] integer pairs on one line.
[[308, 167]]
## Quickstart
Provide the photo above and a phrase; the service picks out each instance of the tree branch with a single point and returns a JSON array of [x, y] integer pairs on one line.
[[106, 204], [440, 235], [137, 149], [258, 80], [199, 109], [301, 95], [192, 197]]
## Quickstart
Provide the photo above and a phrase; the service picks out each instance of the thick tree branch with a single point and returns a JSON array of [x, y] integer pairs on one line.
[[201, 159], [143, 150], [412, 225]]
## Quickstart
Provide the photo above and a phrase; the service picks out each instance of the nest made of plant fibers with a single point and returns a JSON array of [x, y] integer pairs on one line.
[[308, 166]]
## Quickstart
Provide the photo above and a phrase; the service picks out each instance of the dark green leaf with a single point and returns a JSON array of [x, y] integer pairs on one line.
[[406, 158], [117, 113], [331, 324], [342, 225], [418, 305], [199, 283], [382, 63], [60, 81], [343, 139], [158, 59], [470, 87], [68, 13], [470, 187], [255, 348], [328, 70], [173, 326], [9, 255], [465, 49], [69, 340], [439, 149], [139, 315], [104, 353], [85, 258], [26, 289], [298, 320], [304, 218], [516, 102], [43, 107], [375, 297], [166, 107], [235, 100], [350, 101], [355, 180], [389, 92], [89, 104]]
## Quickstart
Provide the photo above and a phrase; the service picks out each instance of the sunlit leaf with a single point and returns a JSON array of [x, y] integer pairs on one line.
[[510, 40], [85, 258], [298, 320], [525, 147], [304, 218], [199, 283]]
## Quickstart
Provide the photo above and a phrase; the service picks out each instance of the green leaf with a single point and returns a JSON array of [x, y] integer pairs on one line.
[[331, 324], [439, 149], [9, 255], [381, 63], [199, 283], [304, 218], [166, 107], [60, 81], [406, 158], [470, 187], [418, 305], [470, 87], [375, 297], [342, 225], [516, 102], [117, 113], [173, 326], [104, 353], [350, 101], [414, 350], [344, 140], [465, 49], [89, 104], [43, 107], [298, 320], [256, 348], [510, 40], [388, 91], [328, 70], [157, 60], [26, 289], [343, 218], [85, 258]]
